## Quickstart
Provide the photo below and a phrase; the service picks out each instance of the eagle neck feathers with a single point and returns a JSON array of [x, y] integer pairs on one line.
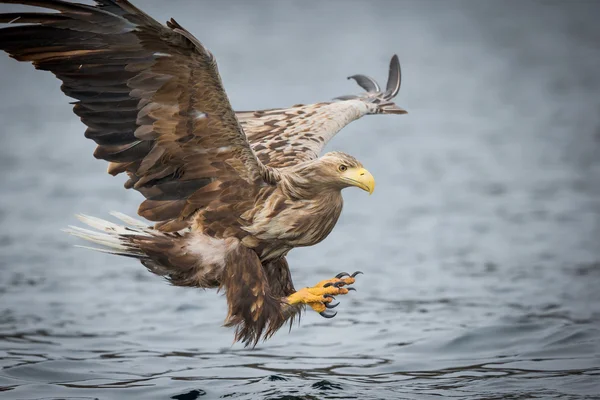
[[301, 182]]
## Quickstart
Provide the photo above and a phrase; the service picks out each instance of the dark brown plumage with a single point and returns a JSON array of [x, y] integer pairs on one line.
[[227, 208]]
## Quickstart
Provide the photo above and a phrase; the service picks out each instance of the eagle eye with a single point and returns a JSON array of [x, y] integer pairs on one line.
[[342, 168]]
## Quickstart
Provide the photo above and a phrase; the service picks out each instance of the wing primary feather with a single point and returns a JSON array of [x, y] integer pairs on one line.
[[57, 5], [366, 82], [124, 153], [30, 18], [394, 78]]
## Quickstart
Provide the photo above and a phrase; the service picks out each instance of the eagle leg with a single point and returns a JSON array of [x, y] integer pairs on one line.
[[320, 296]]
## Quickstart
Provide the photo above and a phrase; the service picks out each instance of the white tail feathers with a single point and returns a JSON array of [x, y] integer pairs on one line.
[[114, 238], [129, 220]]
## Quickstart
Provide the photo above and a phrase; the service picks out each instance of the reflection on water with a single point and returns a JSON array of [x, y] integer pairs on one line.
[[479, 247]]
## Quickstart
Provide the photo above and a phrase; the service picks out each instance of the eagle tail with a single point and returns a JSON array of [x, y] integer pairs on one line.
[[180, 257], [114, 239]]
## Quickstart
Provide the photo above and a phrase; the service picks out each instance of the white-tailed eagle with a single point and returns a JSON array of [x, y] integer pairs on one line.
[[230, 193]]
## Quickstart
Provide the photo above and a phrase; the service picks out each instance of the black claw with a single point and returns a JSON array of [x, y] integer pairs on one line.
[[339, 284], [356, 273], [342, 274], [351, 288], [327, 284], [325, 314], [332, 305], [329, 305]]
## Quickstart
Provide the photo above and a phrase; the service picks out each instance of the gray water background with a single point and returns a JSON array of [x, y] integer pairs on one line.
[[480, 245]]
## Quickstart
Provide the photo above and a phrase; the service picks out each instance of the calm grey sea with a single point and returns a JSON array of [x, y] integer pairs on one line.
[[480, 245]]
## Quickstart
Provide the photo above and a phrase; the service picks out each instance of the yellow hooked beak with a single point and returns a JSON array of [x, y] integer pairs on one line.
[[361, 178]]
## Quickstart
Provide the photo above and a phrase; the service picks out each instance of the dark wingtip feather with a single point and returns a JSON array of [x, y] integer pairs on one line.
[[366, 82], [374, 92], [123, 153], [171, 23], [58, 5], [394, 78], [31, 18]]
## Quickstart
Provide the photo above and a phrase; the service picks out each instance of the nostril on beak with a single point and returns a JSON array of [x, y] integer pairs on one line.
[[362, 174]]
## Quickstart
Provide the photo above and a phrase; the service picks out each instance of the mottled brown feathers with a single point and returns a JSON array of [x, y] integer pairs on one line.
[[151, 97], [230, 193], [253, 309], [287, 136]]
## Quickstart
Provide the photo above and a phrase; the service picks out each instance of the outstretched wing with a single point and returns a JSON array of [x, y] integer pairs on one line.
[[152, 99], [286, 136]]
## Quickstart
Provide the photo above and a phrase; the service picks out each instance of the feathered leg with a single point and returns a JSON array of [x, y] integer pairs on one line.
[[318, 297], [280, 281], [254, 309]]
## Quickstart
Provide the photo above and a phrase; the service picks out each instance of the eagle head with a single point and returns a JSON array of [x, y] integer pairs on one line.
[[342, 170]]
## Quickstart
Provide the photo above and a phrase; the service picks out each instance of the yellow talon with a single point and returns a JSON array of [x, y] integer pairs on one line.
[[347, 281], [320, 296], [305, 296]]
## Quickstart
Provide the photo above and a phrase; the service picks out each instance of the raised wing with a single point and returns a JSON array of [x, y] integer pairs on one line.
[[152, 99], [283, 137]]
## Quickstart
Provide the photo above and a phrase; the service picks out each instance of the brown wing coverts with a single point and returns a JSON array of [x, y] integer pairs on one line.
[[285, 137], [152, 99]]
